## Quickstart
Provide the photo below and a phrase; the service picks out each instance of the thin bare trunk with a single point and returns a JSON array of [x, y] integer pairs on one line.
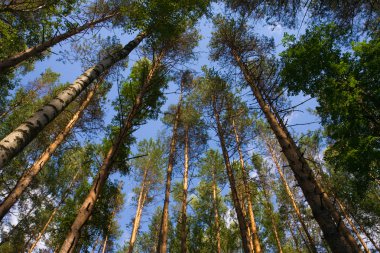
[[163, 235], [290, 195], [184, 196], [64, 196], [377, 247], [328, 218], [86, 209], [140, 206], [17, 140], [290, 228], [269, 208], [16, 59], [247, 191], [239, 213], [105, 244], [28, 175], [352, 225], [216, 210]]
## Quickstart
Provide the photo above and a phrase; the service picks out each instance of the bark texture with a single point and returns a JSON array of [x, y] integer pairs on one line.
[[14, 142], [28, 175], [328, 218], [231, 178], [87, 207], [163, 235], [16, 59]]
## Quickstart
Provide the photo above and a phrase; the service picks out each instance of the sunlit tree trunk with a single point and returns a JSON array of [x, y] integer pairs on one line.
[[105, 244], [52, 215], [86, 209], [140, 206], [231, 178], [252, 223], [17, 140], [16, 59], [184, 194], [377, 247], [328, 218], [290, 195], [270, 213], [28, 175], [216, 210], [164, 226], [352, 226]]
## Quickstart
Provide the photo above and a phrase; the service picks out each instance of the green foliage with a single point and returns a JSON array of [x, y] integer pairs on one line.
[[346, 87]]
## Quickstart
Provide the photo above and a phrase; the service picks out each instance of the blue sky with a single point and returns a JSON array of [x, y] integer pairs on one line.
[[70, 71]]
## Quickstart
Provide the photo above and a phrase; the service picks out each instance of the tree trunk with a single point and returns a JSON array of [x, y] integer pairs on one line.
[[253, 228], [28, 175], [16, 59], [184, 197], [366, 234], [64, 196], [268, 206], [290, 195], [239, 213], [352, 226], [328, 218], [105, 244], [140, 206], [216, 211], [163, 235], [294, 237], [13, 143], [85, 210]]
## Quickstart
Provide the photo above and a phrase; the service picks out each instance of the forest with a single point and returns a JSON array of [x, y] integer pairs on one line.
[[189, 126]]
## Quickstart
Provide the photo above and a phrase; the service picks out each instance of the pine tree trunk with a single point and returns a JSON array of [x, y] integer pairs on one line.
[[268, 206], [253, 228], [14, 143], [105, 244], [184, 196], [352, 226], [216, 211], [239, 213], [366, 234], [163, 235], [28, 175], [86, 209], [16, 59], [290, 195], [140, 206], [328, 218], [64, 196], [293, 237]]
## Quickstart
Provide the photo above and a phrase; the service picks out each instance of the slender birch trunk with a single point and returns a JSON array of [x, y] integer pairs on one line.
[[52, 215], [291, 196], [17, 140], [328, 218], [28, 175], [184, 194], [163, 235], [352, 226], [140, 206], [239, 213], [253, 228], [270, 211], [16, 59], [87, 207], [216, 211]]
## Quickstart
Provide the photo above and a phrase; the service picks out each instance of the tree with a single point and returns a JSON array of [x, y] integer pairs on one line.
[[232, 40], [140, 92], [345, 88], [149, 171]]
